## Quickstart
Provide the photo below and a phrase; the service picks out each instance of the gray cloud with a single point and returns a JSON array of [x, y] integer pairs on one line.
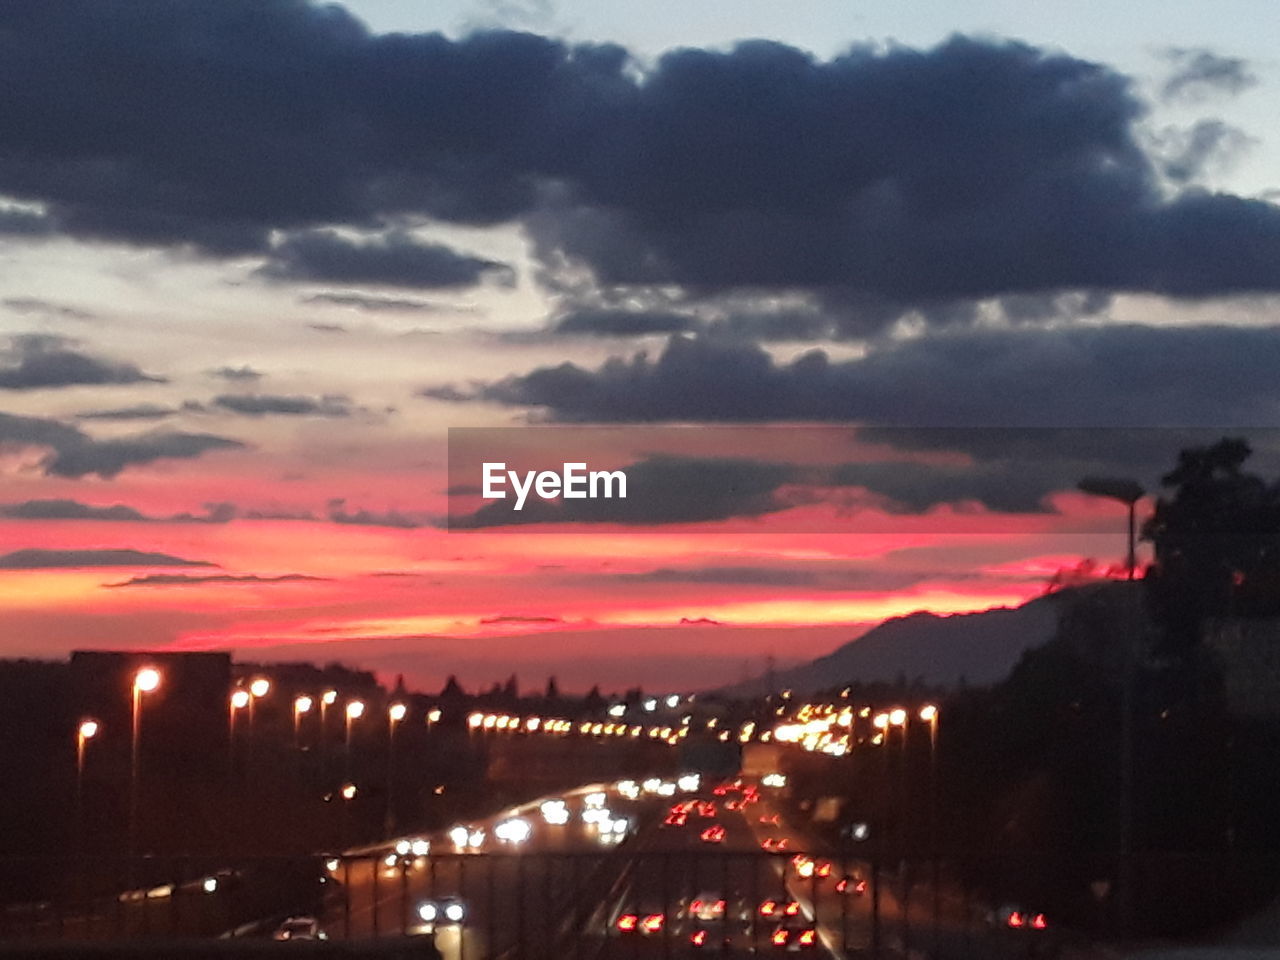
[[40, 306], [73, 453], [1089, 376], [183, 580], [1186, 155], [392, 259], [623, 323], [40, 559], [37, 361], [1197, 73], [972, 169], [141, 411], [373, 304], [243, 374], [338, 513], [63, 509], [262, 404]]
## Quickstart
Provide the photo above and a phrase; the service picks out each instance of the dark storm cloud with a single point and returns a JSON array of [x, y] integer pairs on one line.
[[38, 559], [36, 362], [1196, 73], [106, 458], [394, 259], [624, 323], [25, 223], [972, 169], [142, 411], [1087, 376], [73, 453], [662, 489], [264, 404], [62, 509], [185, 580]]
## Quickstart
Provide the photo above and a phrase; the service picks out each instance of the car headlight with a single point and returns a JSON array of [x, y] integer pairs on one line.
[[454, 912], [428, 912]]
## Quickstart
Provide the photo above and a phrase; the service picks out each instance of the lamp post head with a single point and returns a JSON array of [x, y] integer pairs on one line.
[[1115, 488], [929, 713], [897, 717], [397, 712], [355, 709], [146, 679], [328, 697], [88, 729], [239, 699], [880, 721], [302, 704], [260, 687]]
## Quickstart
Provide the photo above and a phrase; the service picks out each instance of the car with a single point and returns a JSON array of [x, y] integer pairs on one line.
[[774, 844], [299, 928], [707, 906], [780, 907], [713, 834], [644, 918], [851, 884], [1014, 917], [794, 934], [441, 912]]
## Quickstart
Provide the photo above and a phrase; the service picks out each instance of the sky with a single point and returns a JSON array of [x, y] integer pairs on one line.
[[857, 291]]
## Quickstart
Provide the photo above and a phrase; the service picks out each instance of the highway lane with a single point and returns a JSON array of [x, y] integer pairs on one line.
[[706, 887], [517, 897]]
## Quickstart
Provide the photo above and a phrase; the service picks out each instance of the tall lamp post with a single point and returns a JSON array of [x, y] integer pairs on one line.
[[355, 710], [929, 714], [1128, 492], [145, 680], [395, 714], [87, 730], [301, 705], [239, 700]]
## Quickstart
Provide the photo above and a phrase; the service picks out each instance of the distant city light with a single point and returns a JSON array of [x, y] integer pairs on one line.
[[260, 687], [146, 679]]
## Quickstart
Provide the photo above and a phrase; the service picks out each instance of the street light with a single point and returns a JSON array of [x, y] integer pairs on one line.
[[145, 680], [239, 700], [1128, 492], [354, 711], [301, 705], [395, 714], [87, 730]]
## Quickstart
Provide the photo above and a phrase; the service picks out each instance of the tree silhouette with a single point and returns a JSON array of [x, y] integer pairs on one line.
[[1217, 544]]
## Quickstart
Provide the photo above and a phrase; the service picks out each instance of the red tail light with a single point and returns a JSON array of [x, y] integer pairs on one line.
[[807, 938], [861, 887], [699, 938], [792, 908], [696, 906], [720, 906], [627, 922], [1039, 922], [842, 886], [1015, 920], [768, 908], [653, 922], [824, 870], [779, 937]]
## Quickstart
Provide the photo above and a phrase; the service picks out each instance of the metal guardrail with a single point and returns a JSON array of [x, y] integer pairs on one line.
[[529, 906]]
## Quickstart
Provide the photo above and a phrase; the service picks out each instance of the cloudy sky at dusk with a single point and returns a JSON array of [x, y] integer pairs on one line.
[[258, 256]]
